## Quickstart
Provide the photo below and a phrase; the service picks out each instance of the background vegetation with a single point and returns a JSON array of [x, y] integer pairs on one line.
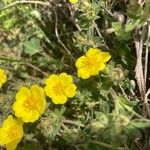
[[109, 111]]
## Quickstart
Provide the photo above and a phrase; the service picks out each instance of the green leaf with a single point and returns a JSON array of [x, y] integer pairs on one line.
[[32, 47], [132, 25], [140, 123], [120, 32], [134, 9]]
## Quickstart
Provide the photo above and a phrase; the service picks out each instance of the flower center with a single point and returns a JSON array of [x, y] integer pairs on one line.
[[58, 88], [90, 62], [12, 133], [30, 104]]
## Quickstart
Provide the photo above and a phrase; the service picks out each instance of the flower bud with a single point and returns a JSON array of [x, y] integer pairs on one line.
[[96, 127], [117, 74], [122, 120]]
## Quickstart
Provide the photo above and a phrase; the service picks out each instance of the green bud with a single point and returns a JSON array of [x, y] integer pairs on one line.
[[97, 126], [122, 120], [132, 84], [90, 105], [106, 70], [103, 119], [73, 136], [117, 74]]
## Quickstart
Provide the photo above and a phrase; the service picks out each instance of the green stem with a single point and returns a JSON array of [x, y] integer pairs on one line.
[[131, 110], [25, 2], [105, 145], [25, 63], [13, 60], [73, 123], [20, 61]]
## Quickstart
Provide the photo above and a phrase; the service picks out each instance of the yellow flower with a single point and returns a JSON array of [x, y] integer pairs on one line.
[[30, 103], [59, 87], [92, 63], [3, 77], [73, 1], [11, 133]]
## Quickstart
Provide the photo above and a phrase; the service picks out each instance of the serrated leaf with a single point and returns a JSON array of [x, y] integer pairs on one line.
[[120, 31], [132, 25], [32, 47]]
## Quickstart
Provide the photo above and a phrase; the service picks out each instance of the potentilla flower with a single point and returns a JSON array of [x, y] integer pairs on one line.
[[91, 63], [11, 133], [73, 1], [3, 77], [60, 87], [30, 103]]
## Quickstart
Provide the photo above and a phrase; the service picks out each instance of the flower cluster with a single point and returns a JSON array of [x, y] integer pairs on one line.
[[30, 102]]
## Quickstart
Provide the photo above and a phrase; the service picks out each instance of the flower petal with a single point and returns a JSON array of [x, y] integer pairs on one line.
[[37, 92], [92, 52], [23, 94], [9, 120], [59, 99], [65, 79], [83, 73], [52, 79], [12, 145], [104, 56], [30, 116], [81, 62], [70, 91], [101, 66], [3, 136], [47, 90]]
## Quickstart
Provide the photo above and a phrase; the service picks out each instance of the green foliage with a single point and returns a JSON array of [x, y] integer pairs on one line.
[[37, 40], [32, 47]]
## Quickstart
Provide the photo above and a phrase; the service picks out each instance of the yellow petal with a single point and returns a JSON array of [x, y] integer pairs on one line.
[[101, 66], [81, 62], [59, 99], [94, 71], [11, 146], [3, 77], [104, 56], [3, 136], [73, 1], [92, 52], [18, 108], [30, 116], [97, 68], [52, 79], [65, 79], [47, 91], [23, 94], [70, 91], [83, 73], [41, 105], [37, 92], [9, 120]]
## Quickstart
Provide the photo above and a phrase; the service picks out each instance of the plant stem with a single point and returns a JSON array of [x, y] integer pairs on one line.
[[24, 63], [73, 123], [105, 145], [20, 61], [24, 2], [131, 110]]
